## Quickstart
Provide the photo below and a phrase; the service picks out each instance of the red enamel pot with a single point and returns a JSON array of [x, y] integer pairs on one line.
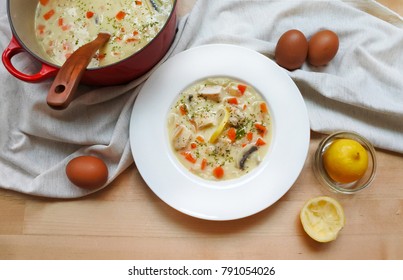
[[21, 14]]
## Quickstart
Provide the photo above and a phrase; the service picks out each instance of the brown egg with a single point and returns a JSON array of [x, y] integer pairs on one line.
[[323, 47], [87, 172], [291, 49]]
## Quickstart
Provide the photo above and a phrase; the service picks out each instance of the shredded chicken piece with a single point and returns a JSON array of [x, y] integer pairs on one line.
[[233, 90], [237, 116], [211, 92], [181, 137], [204, 120]]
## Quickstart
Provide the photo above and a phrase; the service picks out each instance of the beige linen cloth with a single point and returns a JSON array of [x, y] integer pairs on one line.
[[360, 90]]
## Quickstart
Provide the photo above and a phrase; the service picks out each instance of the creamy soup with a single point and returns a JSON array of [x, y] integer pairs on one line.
[[62, 26], [220, 128]]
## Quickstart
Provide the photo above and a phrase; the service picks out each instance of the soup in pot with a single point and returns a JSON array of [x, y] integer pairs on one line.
[[62, 26], [220, 128]]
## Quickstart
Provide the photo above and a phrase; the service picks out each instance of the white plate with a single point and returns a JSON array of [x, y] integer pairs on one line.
[[231, 199]]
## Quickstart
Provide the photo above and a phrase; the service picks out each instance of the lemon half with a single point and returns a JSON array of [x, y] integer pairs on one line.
[[322, 218], [345, 160]]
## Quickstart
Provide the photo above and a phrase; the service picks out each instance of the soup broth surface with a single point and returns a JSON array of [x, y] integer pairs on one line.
[[62, 26], [220, 128]]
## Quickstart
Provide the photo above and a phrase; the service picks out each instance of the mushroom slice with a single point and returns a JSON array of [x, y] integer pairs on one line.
[[211, 92], [246, 153], [181, 137]]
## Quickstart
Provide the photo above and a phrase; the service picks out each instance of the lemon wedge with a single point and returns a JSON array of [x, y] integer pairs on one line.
[[223, 116], [322, 218]]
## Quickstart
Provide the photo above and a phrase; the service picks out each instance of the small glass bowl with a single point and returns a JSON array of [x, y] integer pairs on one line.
[[345, 188]]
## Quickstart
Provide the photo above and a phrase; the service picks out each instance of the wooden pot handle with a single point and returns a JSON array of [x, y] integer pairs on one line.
[[64, 86]]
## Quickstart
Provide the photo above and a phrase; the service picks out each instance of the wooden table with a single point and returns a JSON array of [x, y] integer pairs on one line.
[[127, 221]]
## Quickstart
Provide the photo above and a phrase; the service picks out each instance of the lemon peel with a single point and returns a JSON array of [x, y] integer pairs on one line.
[[224, 116]]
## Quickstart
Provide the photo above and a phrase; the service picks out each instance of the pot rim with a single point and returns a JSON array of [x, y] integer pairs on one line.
[[23, 45]]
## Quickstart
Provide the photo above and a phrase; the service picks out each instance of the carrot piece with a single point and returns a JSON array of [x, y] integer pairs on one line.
[[44, 2], [49, 14], [135, 33], [218, 172], [263, 107], [261, 129], [183, 110], [89, 14], [41, 28], [200, 139], [65, 27], [260, 142], [130, 40], [233, 101], [203, 164], [120, 15], [193, 145], [66, 46], [232, 134], [249, 136], [242, 88], [101, 56], [138, 2], [189, 157], [60, 21]]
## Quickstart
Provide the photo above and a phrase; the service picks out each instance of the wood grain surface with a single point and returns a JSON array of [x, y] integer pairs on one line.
[[127, 221]]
